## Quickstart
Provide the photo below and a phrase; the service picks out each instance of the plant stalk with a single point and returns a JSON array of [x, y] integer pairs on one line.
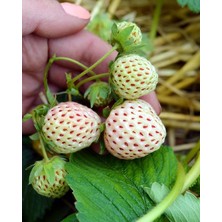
[[43, 148], [192, 175], [49, 95], [40, 136], [155, 212], [74, 62], [155, 21], [192, 153], [102, 75], [95, 64]]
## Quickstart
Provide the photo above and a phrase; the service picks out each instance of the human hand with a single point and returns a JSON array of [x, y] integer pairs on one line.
[[52, 28]]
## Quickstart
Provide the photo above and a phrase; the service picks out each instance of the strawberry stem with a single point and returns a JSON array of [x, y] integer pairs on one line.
[[43, 98], [95, 64], [69, 97], [35, 119], [102, 75], [43, 148], [75, 62], [51, 99], [155, 212], [192, 153]]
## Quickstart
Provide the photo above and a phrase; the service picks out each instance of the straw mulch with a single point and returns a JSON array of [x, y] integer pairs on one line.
[[175, 53]]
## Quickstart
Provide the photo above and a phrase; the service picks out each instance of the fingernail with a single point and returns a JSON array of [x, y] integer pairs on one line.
[[75, 10]]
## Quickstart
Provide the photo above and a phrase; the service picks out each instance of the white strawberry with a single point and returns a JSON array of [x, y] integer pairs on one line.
[[133, 76], [133, 130], [70, 127]]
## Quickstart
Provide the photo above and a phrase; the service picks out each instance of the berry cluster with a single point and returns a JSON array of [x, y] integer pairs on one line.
[[131, 128]]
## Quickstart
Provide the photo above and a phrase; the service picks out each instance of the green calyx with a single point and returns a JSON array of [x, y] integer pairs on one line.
[[47, 168], [135, 34], [127, 36], [99, 94], [47, 177]]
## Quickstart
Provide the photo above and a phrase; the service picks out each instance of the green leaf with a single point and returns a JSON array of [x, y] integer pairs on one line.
[[93, 95], [74, 92], [194, 5], [102, 146], [124, 35], [71, 88], [118, 102], [121, 38], [106, 111], [49, 172], [26, 117], [102, 127], [69, 79], [114, 29], [38, 115], [51, 98], [34, 136], [186, 208], [70, 218], [195, 187], [113, 86], [109, 189], [36, 170], [147, 44], [101, 25], [182, 2], [133, 49], [41, 110], [99, 94]]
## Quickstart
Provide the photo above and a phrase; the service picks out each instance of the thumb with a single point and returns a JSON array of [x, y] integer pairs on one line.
[[51, 19]]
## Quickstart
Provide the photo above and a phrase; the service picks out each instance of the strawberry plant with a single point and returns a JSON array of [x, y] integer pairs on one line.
[[138, 177]]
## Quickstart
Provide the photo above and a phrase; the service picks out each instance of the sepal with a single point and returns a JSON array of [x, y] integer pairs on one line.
[[99, 94]]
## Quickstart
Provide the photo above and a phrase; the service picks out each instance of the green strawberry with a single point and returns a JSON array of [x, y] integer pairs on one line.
[[48, 177], [133, 76], [70, 126], [133, 130]]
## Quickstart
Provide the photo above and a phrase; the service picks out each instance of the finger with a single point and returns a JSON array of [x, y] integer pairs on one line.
[[28, 127], [151, 98], [51, 19]]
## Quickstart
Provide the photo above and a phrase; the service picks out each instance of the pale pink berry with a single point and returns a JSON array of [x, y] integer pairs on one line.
[[133, 130], [70, 127]]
